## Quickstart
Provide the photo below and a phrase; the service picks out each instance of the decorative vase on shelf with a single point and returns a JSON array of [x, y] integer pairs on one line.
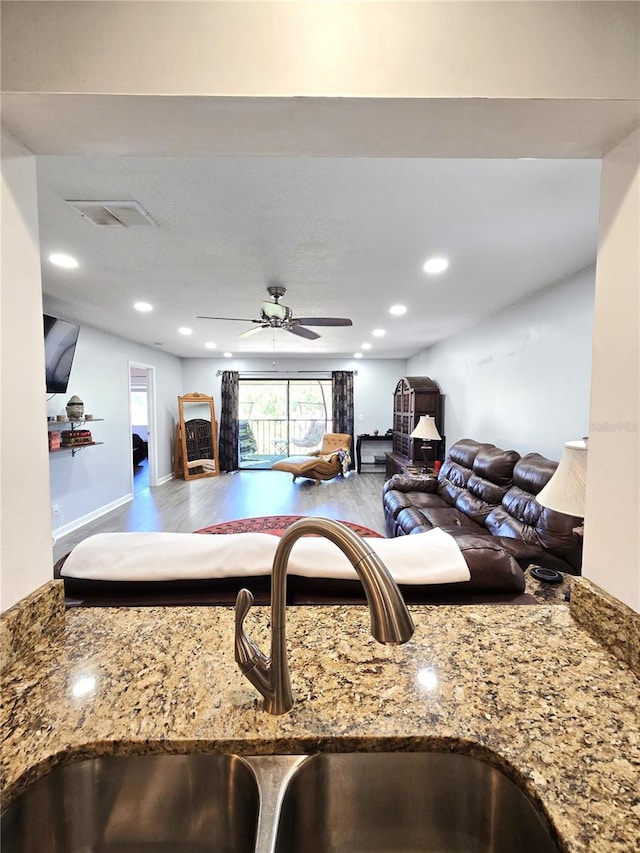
[[75, 409]]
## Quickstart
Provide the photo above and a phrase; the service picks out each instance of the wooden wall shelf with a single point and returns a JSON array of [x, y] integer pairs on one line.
[[71, 426], [74, 448]]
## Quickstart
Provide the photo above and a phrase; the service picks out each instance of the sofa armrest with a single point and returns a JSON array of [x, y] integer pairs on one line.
[[408, 483]]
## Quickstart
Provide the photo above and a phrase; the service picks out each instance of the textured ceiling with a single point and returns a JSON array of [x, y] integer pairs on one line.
[[346, 237]]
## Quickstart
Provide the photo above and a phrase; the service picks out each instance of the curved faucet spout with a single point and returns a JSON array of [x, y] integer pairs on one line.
[[390, 618]]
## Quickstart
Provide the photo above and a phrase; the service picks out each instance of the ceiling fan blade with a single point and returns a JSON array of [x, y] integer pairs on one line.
[[323, 321], [240, 319], [252, 331], [302, 332]]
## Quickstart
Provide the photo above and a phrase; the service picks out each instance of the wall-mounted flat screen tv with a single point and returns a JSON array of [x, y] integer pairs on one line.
[[60, 339]]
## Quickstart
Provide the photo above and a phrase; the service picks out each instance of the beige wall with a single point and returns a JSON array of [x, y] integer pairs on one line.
[[25, 526], [384, 49], [612, 532]]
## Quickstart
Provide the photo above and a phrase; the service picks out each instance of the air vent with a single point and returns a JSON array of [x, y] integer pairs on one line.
[[122, 213]]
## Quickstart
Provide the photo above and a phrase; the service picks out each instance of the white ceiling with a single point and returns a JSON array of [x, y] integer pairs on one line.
[[339, 200], [346, 236]]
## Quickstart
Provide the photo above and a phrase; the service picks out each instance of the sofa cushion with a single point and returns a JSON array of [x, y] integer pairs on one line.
[[457, 468], [424, 500], [395, 501], [521, 517], [496, 466], [488, 564], [533, 472], [452, 481], [448, 518], [465, 451], [410, 483], [492, 475]]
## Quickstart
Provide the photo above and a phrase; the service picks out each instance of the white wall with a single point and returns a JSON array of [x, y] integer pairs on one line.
[[520, 379], [26, 527], [99, 478], [373, 387], [612, 528]]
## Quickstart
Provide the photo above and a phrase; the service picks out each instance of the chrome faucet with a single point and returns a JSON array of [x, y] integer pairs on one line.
[[390, 619]]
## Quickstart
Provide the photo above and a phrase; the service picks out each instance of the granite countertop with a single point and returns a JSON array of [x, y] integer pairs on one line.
[[525, 688]]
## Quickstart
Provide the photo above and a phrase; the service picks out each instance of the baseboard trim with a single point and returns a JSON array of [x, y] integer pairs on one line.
[[59, 532], [165, 479]]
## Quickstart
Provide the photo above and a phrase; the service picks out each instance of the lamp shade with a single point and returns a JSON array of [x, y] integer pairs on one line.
[[426, 429], [565, 491]]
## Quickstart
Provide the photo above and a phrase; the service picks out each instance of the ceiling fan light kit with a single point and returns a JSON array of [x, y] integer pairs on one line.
[[275, 311], [273, 315]]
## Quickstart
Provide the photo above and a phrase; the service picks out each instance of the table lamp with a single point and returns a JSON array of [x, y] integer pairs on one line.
[[426, 430], [565, 491]]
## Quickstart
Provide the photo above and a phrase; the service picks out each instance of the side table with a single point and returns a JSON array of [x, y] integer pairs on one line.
[[397, 464], [363, 438]]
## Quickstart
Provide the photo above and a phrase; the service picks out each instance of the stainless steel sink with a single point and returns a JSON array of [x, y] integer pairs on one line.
[[151, 803], [406, 802], [327, 803]]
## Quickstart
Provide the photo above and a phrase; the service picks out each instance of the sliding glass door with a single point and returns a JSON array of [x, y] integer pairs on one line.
[[281, 417]]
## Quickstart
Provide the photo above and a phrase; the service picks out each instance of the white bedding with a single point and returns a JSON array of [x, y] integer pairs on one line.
[[424, 558]]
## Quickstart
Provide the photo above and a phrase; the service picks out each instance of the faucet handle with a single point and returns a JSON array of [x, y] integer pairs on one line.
[[244, 600], [253, 664], [247, 653]]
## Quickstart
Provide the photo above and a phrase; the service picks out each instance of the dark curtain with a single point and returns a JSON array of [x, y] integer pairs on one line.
[[229, 429], [342, 404]]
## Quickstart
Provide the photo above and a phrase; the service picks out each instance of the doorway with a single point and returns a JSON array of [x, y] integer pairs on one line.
[[142, 427]]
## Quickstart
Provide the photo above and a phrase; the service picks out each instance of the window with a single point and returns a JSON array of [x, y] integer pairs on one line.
[[281, 417], [139, 409]]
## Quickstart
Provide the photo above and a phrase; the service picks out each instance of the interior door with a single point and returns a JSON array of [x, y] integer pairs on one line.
[[142, 420]]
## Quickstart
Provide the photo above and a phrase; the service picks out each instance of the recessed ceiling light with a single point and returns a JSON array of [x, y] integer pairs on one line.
[[357, 355], [185, 330], [365, 346], [210, 345], [435, 265], [378, 333], [227, 354], [62, 260], [143, 306], [398, 310]]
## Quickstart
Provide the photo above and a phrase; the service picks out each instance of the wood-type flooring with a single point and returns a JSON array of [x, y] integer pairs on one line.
[[181, 506]]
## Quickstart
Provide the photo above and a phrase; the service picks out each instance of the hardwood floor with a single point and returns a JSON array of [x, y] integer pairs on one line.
[[182, 507]]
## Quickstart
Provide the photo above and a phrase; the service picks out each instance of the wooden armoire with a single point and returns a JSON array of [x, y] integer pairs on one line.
[[415, 396]]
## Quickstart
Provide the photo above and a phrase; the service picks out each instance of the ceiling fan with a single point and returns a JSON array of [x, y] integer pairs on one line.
[[273, 315]]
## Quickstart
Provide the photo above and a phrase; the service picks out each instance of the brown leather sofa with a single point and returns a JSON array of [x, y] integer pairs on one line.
[[484, 495]]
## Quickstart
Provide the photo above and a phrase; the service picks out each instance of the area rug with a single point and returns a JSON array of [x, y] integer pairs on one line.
[[275, 524]]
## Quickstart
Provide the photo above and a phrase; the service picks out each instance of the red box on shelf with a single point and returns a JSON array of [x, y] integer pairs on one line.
[[54, 441]]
